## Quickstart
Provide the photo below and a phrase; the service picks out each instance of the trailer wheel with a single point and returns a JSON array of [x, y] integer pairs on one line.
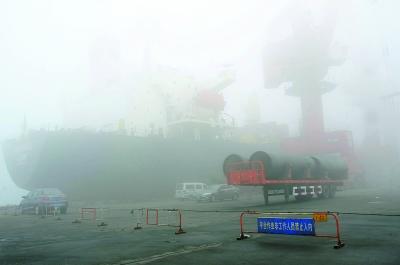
[[301, 197], [266, 199], [286, 195], [325, 192], [332, 191]]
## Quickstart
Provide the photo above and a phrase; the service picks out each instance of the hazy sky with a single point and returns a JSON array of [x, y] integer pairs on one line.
[[46, 47], [46, 54]]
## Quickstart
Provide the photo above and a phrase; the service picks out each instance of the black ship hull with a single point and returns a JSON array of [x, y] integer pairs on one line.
[[100, 166]]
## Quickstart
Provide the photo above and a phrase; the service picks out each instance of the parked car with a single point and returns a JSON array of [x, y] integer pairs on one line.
[[220, 192], [189, 190], [40, 201]]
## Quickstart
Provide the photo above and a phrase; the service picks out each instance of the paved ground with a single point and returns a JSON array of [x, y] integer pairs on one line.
[[210, 237]]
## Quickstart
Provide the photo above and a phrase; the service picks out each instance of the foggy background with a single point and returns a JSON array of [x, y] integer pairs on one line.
[[54, 72]]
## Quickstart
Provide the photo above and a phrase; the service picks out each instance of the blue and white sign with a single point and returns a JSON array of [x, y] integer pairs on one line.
[[287, 226]]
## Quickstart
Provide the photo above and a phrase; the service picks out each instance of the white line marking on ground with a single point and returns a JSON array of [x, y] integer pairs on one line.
[[183, 251]]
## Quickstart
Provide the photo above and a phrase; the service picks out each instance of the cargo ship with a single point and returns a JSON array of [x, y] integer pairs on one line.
[[125, 163], [115, 167], [192, 137]]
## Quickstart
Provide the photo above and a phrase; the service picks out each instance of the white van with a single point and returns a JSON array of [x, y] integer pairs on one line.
[[189, 190]]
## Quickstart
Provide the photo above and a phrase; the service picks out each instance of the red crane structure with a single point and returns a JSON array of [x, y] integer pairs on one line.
[[303, 59]]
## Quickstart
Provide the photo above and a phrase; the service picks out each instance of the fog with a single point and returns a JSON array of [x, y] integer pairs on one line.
[[89, 64]]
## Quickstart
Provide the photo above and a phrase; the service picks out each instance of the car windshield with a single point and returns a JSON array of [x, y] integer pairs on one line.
[[115, 115]]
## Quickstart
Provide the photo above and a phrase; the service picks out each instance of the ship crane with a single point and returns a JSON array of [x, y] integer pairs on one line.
[[303, 59]]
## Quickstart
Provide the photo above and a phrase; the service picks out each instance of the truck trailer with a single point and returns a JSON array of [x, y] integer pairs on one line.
[[301, 176]]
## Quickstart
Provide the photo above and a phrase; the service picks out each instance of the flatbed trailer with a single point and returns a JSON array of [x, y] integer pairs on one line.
[[252, 173]]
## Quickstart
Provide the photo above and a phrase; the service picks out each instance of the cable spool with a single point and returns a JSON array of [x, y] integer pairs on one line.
[[331, 165], [230, 162], [276, 166]]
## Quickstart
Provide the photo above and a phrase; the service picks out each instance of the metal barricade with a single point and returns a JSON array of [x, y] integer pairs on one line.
[[97, 214], [291, 226], [156, 222], [138, 215], [45, 210], [91, 211], [10, 210]]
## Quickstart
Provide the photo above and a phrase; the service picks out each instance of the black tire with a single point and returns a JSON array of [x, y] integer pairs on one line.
[[299, 198], [266, 197], [332, 191], [325, 192], [287, 196]]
